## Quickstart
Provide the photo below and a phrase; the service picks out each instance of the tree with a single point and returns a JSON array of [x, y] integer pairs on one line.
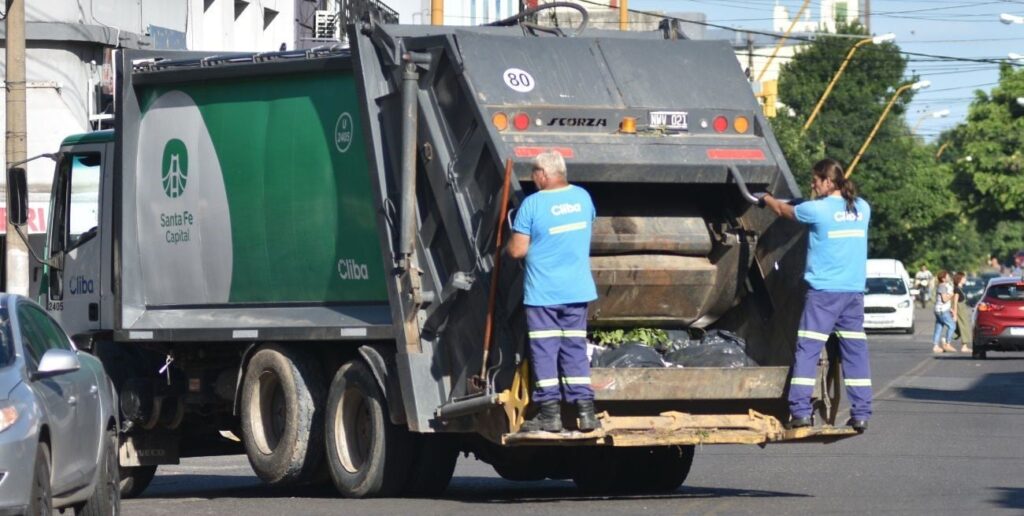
[[986, 158]]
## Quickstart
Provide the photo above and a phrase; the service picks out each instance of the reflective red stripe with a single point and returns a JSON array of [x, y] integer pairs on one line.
[[752, 154], [531, 152]]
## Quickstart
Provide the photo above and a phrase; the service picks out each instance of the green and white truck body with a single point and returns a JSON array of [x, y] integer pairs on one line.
[[290, 248]]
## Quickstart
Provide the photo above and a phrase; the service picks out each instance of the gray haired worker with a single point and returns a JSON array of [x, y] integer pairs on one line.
[[552, 231]]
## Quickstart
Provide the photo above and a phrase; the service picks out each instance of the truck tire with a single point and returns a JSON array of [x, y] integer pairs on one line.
[[281, 420], [106, 498], [368, 456], [40, 500], [596, 470], [135, 480], [659, 469], [433, 465]]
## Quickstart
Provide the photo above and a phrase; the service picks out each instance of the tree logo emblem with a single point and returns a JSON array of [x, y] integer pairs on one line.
[[174, 170]]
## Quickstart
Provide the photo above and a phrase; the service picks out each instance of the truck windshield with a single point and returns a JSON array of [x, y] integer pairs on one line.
[[891, 286]]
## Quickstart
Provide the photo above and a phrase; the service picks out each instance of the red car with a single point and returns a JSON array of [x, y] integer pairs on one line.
[[999, 317]]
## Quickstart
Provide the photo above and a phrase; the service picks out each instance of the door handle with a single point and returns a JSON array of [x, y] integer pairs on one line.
[[72, 400]]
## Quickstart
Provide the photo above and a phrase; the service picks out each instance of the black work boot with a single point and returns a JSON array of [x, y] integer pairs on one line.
[[587, 419], [547, 419]]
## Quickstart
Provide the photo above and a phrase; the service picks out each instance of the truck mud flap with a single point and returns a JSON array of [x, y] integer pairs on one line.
[[678, 428]]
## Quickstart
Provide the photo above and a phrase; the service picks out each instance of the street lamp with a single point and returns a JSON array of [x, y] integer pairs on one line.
[[1010, 19], [877, 40], [942, 113], [919, 85]]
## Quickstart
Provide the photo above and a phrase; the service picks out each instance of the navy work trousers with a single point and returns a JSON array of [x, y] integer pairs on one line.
[[558, 352], [825, 312]]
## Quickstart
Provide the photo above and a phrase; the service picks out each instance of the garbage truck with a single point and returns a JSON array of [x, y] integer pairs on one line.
[[294, 254]]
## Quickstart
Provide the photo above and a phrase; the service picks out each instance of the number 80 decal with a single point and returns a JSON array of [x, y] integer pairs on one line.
[[519, 80]]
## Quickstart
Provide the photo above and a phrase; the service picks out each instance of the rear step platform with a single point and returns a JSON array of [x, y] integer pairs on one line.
[[680, 429]]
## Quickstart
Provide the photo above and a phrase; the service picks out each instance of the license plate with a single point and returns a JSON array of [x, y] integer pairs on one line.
[[1017, 332], [675, 120]]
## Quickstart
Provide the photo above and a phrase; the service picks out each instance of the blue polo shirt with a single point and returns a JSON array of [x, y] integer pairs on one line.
[[838, 251], [559, 223]]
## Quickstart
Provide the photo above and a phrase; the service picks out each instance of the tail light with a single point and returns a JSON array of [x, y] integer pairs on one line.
[[989, 307], [720, 124], [500, 121], [741, 124], [521, 121]]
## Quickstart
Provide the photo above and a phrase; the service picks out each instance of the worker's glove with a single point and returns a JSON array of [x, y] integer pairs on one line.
[[760, 198]]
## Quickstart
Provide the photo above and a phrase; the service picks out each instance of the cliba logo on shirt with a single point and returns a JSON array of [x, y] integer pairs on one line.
[[845, 216], [566, 208]]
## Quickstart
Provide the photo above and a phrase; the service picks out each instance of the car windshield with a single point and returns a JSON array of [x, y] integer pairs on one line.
[[6, 343], [893, 286], [1007, 292]]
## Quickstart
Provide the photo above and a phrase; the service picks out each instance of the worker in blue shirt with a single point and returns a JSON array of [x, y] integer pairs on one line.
[[836, 267], [552, 231]]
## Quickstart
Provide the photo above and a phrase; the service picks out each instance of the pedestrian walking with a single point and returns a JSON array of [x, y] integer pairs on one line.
[[552, 231], [837, 253], [962, 313], [944, 322]]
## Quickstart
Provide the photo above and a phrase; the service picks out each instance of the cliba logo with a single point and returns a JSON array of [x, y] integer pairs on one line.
[[566, 208], [579, 122], [845, 216], [349, 269], [81, 285]]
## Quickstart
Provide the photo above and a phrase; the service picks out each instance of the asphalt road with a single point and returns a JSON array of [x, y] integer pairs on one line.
[[945, 439]]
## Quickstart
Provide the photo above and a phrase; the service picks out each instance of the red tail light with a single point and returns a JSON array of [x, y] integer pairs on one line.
[[521, 121], [989, 307], [720, 124]]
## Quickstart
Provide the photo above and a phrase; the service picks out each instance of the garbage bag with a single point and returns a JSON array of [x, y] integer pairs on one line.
[[630, 354], [718, 348]]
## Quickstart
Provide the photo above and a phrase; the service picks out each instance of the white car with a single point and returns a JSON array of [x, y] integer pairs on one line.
[[888, 304]]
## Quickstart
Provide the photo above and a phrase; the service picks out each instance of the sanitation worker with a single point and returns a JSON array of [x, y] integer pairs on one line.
[[552, 231], [837, 221]]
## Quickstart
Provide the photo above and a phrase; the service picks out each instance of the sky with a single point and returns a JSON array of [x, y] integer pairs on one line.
[[953, 28]]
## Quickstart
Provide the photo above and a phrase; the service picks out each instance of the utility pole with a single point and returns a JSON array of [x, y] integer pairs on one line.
[[17, 249], [867, 15]]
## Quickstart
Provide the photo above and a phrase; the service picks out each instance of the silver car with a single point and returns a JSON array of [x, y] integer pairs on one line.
[[58, 419]]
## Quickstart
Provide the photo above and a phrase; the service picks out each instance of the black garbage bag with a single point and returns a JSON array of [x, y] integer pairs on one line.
[[630, 354], [718, 348]]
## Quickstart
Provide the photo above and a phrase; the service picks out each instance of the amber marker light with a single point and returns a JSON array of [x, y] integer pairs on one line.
[[741, 124], [628, 125], [500, 121]]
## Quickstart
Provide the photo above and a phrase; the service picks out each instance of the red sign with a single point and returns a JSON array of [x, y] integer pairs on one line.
[[36, 219]]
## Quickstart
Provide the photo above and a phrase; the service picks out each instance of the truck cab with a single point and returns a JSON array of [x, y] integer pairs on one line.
[[74, 287]]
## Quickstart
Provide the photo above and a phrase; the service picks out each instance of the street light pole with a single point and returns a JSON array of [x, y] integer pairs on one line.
[[16, 254], [835, 78], [888, 107]]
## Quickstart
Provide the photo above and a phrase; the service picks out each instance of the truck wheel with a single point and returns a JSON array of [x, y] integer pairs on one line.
[[106, 498], [281, 423], [368, 456], [135, 480], [41, 501], [597, 470], [660, 469], [433, 465]]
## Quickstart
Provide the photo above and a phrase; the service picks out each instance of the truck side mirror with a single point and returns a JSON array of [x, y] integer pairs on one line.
[[17, 196]]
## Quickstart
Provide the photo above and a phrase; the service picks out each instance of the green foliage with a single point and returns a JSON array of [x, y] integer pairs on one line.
[[985, 156], [614, 338], [917, 215]]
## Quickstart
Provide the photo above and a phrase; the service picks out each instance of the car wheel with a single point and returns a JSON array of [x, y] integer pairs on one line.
[[135, 480], [106, 498], [41, 502], [910, 330], [979, 352]]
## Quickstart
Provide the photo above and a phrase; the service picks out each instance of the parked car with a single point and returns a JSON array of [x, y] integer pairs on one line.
[[975, 286], [58, 419], [888, 304], [999, 317]]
